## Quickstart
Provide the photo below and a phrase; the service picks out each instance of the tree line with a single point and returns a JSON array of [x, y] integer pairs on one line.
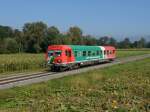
[[36, 36]]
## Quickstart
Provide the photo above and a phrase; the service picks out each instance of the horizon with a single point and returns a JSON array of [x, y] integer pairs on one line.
[[118, 19]]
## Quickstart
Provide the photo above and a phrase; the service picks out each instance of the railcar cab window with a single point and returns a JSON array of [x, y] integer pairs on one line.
[[58, 53], [54, 53], [50, 53]]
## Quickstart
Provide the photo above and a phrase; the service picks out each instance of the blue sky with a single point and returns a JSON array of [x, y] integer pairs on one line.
[[118, 18]]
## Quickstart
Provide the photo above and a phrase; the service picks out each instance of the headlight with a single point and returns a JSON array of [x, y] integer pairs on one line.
[[59, 61]]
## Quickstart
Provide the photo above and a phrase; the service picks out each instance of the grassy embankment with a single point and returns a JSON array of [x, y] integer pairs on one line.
[[36, 62], [119, 88]]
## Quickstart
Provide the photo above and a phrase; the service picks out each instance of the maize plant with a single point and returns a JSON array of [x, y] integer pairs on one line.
[[21, 62]]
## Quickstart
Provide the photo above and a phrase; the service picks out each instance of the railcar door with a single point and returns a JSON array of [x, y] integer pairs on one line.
[[68, 55]]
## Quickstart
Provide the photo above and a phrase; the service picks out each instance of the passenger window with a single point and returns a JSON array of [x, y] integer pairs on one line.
[[68, 53], [79, 54], [110, 52], [100, 52], [75, 53], [93, 53], [107, 52], [113, 51], [89, 53], [84, 53], [104, 52], [97, 52]]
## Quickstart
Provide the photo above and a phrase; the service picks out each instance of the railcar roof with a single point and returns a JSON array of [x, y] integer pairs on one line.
[[83, 47]]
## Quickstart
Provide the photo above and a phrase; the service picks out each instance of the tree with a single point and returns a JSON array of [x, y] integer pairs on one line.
[[53, 35], [89, 40], [34, 34], [103, 40], [18, 35], [5, 31], [125, 43], [148, 44], [10, 45], [2, 46], [112, 42], [75, 33], [141, 43]]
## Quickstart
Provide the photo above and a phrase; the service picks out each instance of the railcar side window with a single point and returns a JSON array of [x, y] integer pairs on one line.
[[104, 52], [107, 52], [97, 52], [89, 53], [93, 53], [113, 51], [100, 52], [68, 53], [75, 53], [110, 52], [84, 53], [79, 54]]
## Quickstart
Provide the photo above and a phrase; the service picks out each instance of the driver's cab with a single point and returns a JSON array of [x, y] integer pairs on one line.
[[59, 54]]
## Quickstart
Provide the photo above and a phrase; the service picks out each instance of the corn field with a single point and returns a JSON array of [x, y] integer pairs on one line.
[[21, 62], [25, 61]]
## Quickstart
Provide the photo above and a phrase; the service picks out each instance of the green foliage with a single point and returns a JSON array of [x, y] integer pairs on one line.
[[127, 52], [75, 33], [36, 36], [5, 32], [89, 40], [120, 88], [125, 43], [21, 62], [9, 45]]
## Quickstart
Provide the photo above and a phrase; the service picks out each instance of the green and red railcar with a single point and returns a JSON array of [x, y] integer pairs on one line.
[[62, 57]]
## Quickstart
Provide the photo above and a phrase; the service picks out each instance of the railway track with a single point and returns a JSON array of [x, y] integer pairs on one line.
[[25, 79]]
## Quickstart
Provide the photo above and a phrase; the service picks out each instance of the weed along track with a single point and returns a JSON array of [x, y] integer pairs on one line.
[[44, 76]]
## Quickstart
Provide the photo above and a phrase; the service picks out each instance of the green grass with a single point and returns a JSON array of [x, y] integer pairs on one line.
[[119, 88], [10, 63], [126, 53]]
